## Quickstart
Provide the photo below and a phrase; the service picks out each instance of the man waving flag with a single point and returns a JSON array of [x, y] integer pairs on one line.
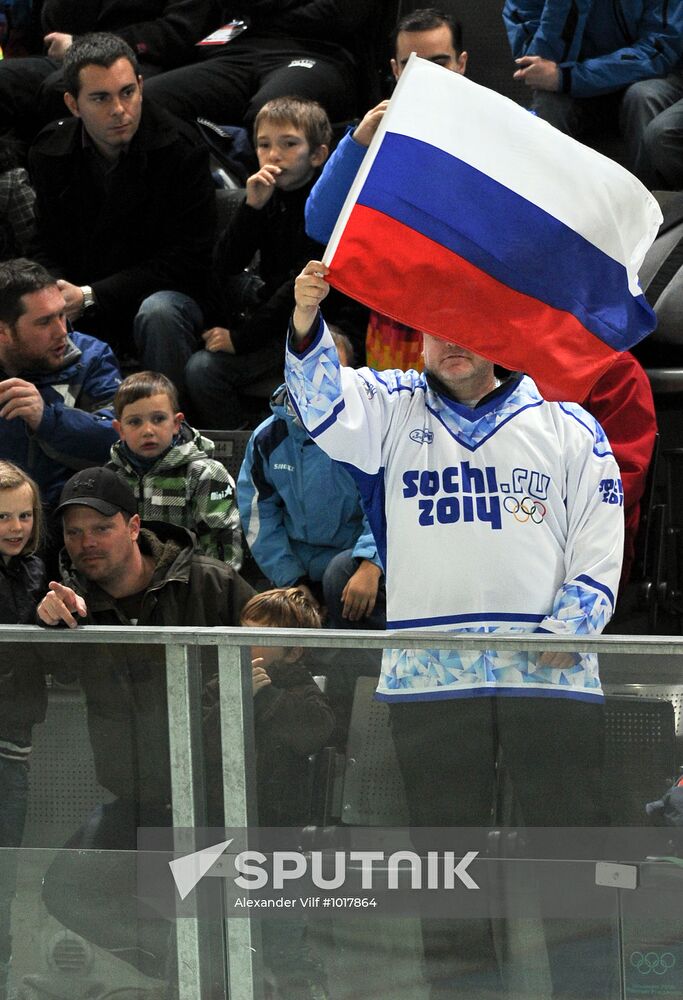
[[475, 221]]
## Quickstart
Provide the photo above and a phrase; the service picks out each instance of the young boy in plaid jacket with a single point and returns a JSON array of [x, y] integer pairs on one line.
[[169, 467]]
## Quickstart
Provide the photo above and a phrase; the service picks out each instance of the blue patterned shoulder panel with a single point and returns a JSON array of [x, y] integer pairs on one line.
[[472, 427], [601, 445]]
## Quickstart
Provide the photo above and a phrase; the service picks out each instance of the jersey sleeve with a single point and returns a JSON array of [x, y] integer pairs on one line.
[[595, 539], [343, 410]]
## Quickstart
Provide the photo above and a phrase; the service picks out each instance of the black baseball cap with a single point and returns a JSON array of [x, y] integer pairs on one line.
[[99, 488]]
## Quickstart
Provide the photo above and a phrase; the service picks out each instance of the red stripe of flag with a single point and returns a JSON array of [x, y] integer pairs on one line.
[[399, 272]]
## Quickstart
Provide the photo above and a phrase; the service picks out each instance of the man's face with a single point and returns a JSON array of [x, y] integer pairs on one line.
[[37, 341], [468, 376], [109, 104], [435, 44], [100, 547], [286, 147]]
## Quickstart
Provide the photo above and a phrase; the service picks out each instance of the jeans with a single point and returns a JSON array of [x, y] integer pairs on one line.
[[166, 332], [339, 571], [214, 379], [653, 113], [31, 95], [580, 117], [233, 85], [553, 751]]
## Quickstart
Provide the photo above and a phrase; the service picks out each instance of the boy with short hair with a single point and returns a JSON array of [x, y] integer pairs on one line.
[[169, 467], [292, 716], [243, 342]]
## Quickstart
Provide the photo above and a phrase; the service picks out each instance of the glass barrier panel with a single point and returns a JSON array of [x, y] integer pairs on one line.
[[484, 818]]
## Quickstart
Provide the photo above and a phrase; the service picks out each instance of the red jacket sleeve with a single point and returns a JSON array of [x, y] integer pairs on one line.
[[621, 401]]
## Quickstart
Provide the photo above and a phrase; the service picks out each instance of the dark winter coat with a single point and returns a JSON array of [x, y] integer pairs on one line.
[[277, 233], [161, 32], [152, 231], [292, 720], [125, 686], [23, 699]]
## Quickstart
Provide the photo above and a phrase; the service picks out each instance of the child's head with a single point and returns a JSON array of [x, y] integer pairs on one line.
[[21, 513], [283, 607], [295, 135], [147, 415], [344, 347]]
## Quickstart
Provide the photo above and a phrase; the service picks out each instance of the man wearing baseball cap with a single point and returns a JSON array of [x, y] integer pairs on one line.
[[117, 572], [109, 562], [101, 535]]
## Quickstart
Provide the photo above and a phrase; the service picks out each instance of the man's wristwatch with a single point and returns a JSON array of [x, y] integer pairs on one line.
[[88, 297]]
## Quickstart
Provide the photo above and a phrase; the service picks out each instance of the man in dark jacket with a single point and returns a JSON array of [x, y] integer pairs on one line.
[[162, 33], [117, 573], [302, 47], [56, 389], [125, 204]]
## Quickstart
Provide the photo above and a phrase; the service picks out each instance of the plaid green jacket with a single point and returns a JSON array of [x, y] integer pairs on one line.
[[188, 488]]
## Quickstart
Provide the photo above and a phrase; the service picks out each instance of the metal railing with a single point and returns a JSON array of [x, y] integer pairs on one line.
[[623, 659]]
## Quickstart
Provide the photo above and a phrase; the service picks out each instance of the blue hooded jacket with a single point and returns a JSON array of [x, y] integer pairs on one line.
[[299, 509], [76, 430]]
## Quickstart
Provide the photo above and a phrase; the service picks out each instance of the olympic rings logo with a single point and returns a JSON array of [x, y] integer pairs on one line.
[[651, 961], [525, 510]]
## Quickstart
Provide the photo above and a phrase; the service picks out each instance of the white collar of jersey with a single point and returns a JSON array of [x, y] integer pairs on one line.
[[472, 426]]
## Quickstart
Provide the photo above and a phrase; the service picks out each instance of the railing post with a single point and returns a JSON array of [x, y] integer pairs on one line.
[[183, 691], [243, 935]]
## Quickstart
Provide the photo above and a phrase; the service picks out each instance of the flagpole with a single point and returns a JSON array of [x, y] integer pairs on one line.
[[366, 165]]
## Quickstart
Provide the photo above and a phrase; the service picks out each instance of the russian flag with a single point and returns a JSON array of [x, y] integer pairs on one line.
[[475, 221]]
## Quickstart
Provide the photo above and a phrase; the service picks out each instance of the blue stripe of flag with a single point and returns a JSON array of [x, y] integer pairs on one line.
[[506, 236]]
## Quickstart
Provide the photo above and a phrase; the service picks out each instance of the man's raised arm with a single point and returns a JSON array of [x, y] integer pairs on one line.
[[310, 288]]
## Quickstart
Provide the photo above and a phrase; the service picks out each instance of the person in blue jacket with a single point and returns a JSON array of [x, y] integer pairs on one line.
[[56, 388], [584, 61], [302, 518]]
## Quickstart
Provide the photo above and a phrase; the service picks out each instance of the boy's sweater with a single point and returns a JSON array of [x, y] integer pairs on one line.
[[185, 486], [292, 719], [276, 232]]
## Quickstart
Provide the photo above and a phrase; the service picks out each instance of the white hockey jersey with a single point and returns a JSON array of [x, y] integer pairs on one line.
[[505, 517]]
